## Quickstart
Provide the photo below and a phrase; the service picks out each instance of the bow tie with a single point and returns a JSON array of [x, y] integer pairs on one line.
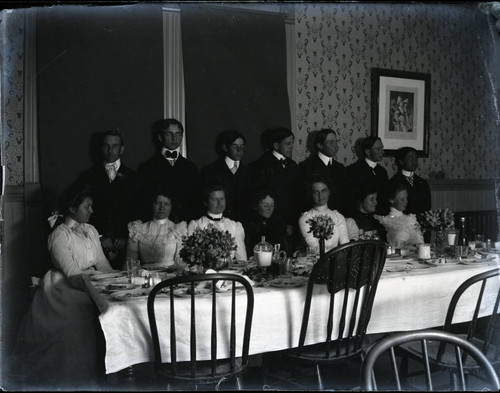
[[170, 154], [214, 218]]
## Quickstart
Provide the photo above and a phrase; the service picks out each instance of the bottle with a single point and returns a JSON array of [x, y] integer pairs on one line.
[[463, 233], [263, 253]]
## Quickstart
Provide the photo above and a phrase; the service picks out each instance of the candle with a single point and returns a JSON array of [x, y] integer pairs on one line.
[[424, 251]]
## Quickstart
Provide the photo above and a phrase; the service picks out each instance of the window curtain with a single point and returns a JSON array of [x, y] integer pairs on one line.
[[235, 77]]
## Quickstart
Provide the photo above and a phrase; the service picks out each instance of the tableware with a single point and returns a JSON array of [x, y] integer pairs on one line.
[[463, 251], [441, 262], [133, 266], [288, 282], [424, 251], [131, 294], [138, 280], [285, 266], [312, 253], [184, 292], [105, 276], [452, 236], [394, 269], [405, 252], [472, 244], [110, 288]]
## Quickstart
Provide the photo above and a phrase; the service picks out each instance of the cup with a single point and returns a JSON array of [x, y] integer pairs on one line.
[[424, 251], [285, 266], [156, 279], [133, 266], [452, 236], [463, 251], [312, 253]]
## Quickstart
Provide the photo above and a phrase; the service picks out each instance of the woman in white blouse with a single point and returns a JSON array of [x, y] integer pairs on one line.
[[215, 201], [157, 241], [320, 193], [402, 229]]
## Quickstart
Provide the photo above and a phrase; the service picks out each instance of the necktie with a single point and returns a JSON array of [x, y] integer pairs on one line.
[[410, 179], [111, 172], [283, 162], [329, 163], [235, 167], [172, 155]]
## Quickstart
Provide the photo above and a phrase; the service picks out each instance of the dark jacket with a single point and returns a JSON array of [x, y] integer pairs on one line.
[[114, 203], [334, 175], [419, 194], [268, 173], [274, 230], [237, 186], [182, 179], [368, 223]]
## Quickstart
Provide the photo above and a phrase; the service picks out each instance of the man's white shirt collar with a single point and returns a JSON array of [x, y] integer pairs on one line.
[[371, 163], [326, 160], [116, 164], [279, 156], [164, 149], [230, 163], [406, 173]]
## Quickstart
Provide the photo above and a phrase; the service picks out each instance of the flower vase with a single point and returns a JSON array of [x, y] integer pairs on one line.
[[439, 240], [321, 247]]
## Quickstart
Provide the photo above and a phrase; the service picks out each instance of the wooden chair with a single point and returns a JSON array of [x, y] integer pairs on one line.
[[486, 339], [215, 370], [350, 273], [389, 378]]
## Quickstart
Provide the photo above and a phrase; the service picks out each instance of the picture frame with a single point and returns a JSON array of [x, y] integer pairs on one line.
[[400, 109]]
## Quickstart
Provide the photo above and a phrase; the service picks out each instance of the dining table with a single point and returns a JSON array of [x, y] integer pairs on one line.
[[411, 295]]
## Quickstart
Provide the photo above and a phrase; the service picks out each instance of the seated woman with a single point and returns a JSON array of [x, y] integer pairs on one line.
[[156, 240], [56, 344], [402, 229], [261, 222], [215, 201], [320, 193], [361, 223]]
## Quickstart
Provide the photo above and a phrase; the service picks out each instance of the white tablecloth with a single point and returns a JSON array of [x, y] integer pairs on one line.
[[411, 300]]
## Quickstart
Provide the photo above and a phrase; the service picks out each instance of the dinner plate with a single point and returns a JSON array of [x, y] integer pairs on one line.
[[472, 261], [131, 293], [288, 282], [115, 287], [394, 269], [449, 262], [105, 276]]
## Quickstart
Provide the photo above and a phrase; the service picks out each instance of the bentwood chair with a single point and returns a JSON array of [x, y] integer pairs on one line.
[[482, 292], [350, 274], [380, 370], [194, 372]]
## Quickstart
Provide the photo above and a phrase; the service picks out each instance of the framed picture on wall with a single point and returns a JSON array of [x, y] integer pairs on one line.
[[400, 109]]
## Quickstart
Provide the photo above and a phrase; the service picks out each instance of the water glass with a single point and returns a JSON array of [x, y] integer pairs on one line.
[[285, 266], [472, 245], [312, 253], [133, 267], [463, 251]]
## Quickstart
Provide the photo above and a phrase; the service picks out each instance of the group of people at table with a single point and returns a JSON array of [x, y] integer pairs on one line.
[[112, 214]]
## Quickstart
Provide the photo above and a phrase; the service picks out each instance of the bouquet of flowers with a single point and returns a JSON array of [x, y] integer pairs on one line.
[[206, 246], [321, 226], [437, 220]]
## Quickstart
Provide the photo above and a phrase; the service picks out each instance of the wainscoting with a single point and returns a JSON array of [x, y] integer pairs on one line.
[[473, 199]]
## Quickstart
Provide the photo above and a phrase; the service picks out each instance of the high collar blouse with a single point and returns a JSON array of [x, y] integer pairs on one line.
[[402, 229]]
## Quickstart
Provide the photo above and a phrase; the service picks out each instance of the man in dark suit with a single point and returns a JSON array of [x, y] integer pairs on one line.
[[419, 192], [229, 172], [323, 163], [368, 169], [276, 171], [114, 189], [170, 168]]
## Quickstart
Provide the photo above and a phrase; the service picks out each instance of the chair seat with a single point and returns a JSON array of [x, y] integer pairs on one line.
[[448, 360], [316, 353], [203, 371]]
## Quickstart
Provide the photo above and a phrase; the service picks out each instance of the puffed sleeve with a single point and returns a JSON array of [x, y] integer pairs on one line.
[[343, 238], [132, 241], [415, 232], [62, 256], [241, 252], [180, 232], [310, 240], [191, 227], [352, 229]]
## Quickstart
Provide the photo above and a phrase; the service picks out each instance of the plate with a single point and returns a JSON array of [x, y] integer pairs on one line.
[[104, 276], [472, 261], [110, 288], [289, 282], [183, 292], [449, 262], [131, 294], [393, 269]]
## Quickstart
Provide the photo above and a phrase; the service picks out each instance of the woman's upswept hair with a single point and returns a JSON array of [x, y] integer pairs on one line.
[[73, 196]]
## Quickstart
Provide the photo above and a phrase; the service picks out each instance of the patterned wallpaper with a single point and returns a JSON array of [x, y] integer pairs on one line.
[[12, 95], [338, 44]]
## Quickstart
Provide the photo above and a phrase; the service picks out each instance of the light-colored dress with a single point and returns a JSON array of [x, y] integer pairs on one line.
[[155, 241], [339, 231], [402, 229], [56, 344], [225, 224]]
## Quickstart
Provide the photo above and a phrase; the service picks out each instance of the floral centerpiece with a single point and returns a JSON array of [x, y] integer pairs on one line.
[[207, 247], [321, 226], [437, 221]]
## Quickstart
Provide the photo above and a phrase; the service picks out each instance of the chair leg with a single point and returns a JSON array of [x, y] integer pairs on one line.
[[318, 375], [239, 383], [403, 370]]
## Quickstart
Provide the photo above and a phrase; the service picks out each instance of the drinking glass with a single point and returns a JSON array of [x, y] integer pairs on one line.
[[452, 236], [479, 241], [312, 253], [463, 250], [472, 245], [133, 266]]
